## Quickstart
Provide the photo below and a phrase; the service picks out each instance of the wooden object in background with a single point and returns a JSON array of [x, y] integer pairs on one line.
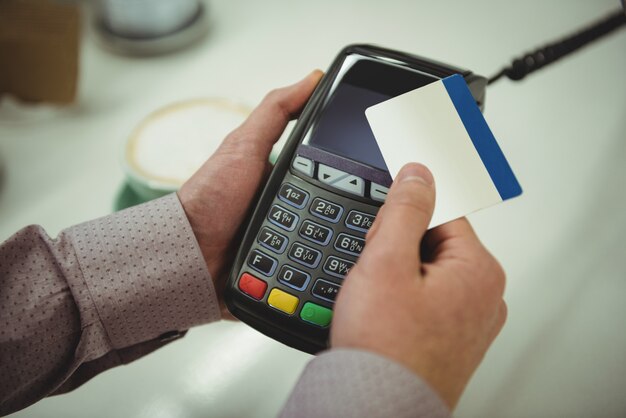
[[39, 41]]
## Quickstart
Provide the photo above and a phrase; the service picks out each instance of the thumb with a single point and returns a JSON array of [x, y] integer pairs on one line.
[[406, 214], [268, 120]]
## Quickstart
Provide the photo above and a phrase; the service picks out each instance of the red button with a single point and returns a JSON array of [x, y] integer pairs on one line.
[[252, 286]]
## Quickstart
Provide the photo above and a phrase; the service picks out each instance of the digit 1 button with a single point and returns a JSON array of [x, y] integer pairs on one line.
[[283, 218], [349, 244], [293, 277], [326, 210], [252, 286], [359, 221], [292, 195], [262, 263], [325, 290], [282, 301], [316, 314]]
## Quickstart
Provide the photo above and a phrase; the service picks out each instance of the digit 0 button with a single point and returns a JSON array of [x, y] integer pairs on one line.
[[293, 277], [252, 286], [293, 196], [282, 301], [316, 314]]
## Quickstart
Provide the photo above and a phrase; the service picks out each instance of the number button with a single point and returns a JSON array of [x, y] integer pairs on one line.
[[337, 267], [292, 195], [349, 244], [283, 218], [305, 255], [359, 221], [325, 290], [316, 233], [272, 240], [326, 210], [293, 277], [262, 263]]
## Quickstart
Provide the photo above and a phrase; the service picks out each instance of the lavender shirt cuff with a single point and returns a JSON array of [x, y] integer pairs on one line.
[[143, 272], [353, 383]]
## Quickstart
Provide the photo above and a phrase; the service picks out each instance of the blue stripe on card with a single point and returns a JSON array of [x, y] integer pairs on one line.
[[480, 134]]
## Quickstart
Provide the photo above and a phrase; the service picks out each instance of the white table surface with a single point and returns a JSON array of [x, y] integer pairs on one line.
[[563, 243]]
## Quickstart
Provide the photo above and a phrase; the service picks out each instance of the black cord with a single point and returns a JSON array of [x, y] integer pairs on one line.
[[521, 67]]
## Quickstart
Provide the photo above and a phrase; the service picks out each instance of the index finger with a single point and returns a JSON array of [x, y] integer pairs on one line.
[[451, 236]]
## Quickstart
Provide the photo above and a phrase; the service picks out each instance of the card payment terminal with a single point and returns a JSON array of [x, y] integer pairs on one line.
[[308, 228]]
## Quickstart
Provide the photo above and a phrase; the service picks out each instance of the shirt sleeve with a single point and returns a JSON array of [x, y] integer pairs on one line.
[[353, 383], [103, 293]]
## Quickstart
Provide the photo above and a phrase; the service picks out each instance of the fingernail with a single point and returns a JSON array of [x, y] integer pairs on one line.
[[416, 171]]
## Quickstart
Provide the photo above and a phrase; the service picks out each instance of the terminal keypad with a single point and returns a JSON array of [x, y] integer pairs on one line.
[[304, 250]]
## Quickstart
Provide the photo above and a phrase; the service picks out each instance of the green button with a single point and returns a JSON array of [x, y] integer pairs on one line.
[[316, 314]]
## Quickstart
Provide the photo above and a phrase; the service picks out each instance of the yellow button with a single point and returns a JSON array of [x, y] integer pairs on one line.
[[282, 301]]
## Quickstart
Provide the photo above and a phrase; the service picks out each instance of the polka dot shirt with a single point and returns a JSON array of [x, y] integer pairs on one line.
[[109, 291], [101, 294]]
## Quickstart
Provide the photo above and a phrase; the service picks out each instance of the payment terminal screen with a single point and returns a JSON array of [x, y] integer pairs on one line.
[[342, 127]]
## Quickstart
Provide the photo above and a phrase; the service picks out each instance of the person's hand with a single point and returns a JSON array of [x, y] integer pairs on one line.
[[218, 196], [431, 301]]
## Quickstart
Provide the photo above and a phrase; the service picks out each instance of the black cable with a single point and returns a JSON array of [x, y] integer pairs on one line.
[[521, 67]]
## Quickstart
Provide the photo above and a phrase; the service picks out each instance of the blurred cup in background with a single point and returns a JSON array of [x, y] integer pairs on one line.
[[169, 145], [147, 18]]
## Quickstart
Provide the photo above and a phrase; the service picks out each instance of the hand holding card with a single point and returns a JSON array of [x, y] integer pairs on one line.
[[440, 126]]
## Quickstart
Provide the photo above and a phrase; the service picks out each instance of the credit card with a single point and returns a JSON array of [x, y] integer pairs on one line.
[[440, 126]]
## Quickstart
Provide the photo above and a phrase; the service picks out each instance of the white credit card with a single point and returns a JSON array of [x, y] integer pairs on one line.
[[440, 126]]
